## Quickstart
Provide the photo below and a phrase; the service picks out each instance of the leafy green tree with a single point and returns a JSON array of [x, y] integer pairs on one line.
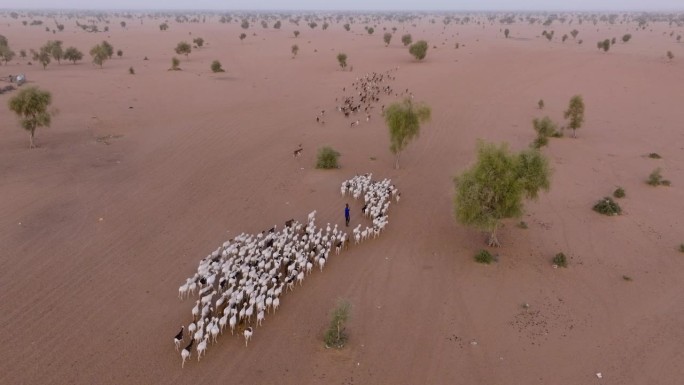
[[335, 335], [163, 27], [575, 113], [42, 56], [403, 120], [626, 38], [295, 49], [175, 64], [216, 67], [108, 49], [54, 47], [183, 48], [198, 41], [342, 60], [73, 55], [406, 39], [370, 30], [493, 189], [544, 127], [31, 105], [6, 54], [506, 32], [387, 38], [419, 49], [99, 54]]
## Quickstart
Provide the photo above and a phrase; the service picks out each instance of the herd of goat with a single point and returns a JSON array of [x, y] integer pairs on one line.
[[243, 280]]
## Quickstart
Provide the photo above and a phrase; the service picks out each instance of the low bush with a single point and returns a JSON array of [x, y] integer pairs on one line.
[[656, 179], [619, 193], [607, 206], [483, 256], [327, 158], [560, 260], [654, 155], [335, 336]]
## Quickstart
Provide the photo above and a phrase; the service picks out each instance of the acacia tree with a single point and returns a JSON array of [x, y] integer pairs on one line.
[[493, 189], [419, 49], [42, 56], [387, 38], [72, 54], [403, 120], [99, 54], [575, 113], [183, 48], [109, 50], [31, 104], [216, 67], [342, 60], [54, 47], [406, 39]]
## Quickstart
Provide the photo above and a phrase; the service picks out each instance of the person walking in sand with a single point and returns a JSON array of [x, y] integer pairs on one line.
[[346, 214]]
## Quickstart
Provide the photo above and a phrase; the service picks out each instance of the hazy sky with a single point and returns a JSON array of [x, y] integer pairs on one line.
[[354, 4]]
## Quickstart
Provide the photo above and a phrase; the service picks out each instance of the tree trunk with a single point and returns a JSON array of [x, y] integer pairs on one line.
[[493, 240], [31, 139], [574, 133], [396, 162]]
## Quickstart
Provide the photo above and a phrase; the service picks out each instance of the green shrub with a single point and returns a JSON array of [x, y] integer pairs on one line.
[[654, 155], [175, 64], [483, 256], [655, 179], [560, 260], [327, 158], [419, 49], [619, 193], [335, 336], [607, 206], [216, 66]]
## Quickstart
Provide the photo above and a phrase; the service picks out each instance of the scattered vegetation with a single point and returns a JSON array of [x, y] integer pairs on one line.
[[31, 105], [335, 336], [163, 27], [387, 38], [560, 260], [619, 193], [540, 103], [403, 120], [99, 54], [342, 60], [654, 155], [506, 33], [626, 37], [575, 113], [545, 128], [493, 189], [607, 206], [419, 49], [175, 64], [131, 70], [119, 53], [216, 67], [242, 36], [296, 33], [670, 55], [327, 158], [73, 55], [656, 179], [627, 278], [406, 40], [295, 49], [183, 48], [484, 257]]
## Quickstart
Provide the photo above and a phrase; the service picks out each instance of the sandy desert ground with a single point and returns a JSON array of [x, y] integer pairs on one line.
[[96, 238]]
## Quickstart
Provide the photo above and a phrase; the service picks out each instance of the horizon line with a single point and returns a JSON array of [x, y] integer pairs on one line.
[[469, 10]]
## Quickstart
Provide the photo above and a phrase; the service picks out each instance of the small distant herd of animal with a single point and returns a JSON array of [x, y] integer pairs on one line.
[[247, 275]]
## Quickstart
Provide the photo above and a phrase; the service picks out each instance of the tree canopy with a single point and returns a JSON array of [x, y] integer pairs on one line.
[[99, 54], [73, 54], [387, 38], [406, 39], [31, 104], [403, 120], [575, 113], [183, 48], [493, 189], [419, 49], [342, 60]]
